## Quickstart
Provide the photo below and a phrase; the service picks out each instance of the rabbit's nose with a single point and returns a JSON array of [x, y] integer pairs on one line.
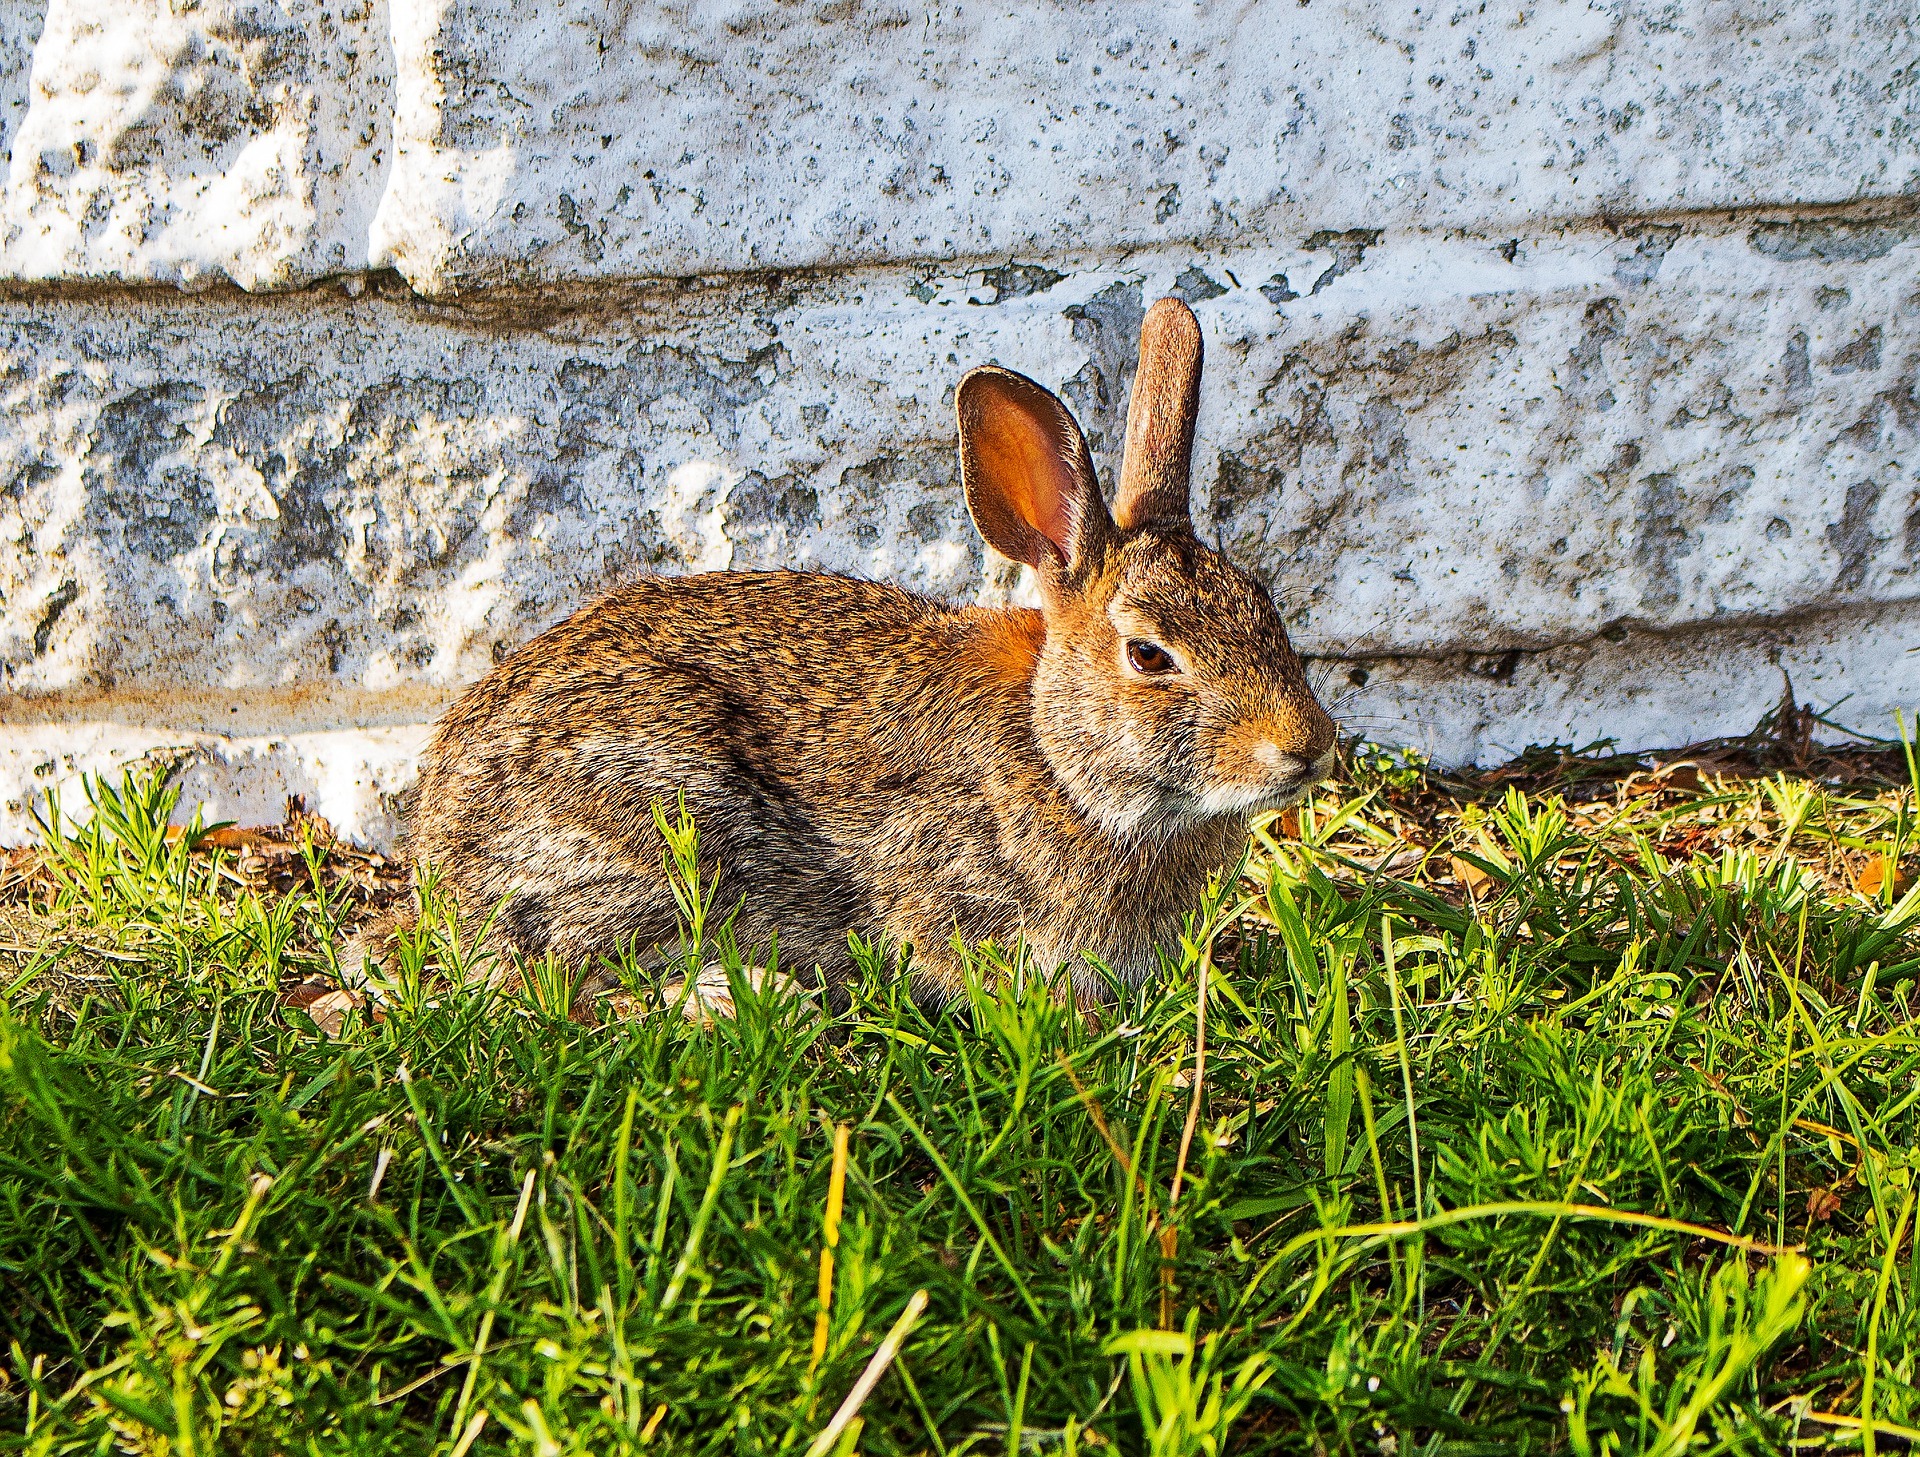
[[1302, 731], [1321, 737]]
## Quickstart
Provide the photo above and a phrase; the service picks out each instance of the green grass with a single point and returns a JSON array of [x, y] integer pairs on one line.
[[1651, 1039]]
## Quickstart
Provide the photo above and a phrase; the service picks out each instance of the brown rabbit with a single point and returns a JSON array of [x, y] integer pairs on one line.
[[862, 759]]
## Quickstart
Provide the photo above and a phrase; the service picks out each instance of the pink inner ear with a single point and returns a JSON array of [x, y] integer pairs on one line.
[[1018, 449], [1023, 459], [1052, 506]]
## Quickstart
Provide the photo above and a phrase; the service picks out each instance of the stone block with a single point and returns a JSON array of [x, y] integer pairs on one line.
[[356, 777], [571, 141], [242, 140], [1577, 460], [1640, 689]]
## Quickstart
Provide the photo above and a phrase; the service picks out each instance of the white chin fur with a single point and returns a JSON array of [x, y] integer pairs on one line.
[[1247, 799], [1149, 814], [1226, 801]]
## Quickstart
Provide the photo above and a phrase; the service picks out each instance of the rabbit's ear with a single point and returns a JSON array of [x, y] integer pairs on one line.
[[1166, 396], [1028, 477]]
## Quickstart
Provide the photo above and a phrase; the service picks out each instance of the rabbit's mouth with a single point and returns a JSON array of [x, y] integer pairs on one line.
[[1156, 809], [1224, 800], [1293, 780]]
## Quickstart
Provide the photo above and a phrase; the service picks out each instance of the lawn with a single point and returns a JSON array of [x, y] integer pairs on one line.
[[1570, 1107]]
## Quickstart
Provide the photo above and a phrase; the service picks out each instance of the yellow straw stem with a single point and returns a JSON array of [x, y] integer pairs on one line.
[[830, 1239], [653, 1422]]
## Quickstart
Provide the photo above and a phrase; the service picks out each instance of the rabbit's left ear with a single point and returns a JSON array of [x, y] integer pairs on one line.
[[1028, 477], [1154, 472]]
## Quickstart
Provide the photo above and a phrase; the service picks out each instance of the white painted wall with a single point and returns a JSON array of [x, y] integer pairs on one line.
[[1561, 379]]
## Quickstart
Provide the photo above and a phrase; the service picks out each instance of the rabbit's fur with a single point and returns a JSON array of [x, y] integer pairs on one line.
[[859, 758]]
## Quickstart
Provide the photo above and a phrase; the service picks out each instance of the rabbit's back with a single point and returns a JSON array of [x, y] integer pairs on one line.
[[792, 711]]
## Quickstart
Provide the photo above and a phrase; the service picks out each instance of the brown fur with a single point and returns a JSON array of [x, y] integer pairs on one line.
[[862, 759]]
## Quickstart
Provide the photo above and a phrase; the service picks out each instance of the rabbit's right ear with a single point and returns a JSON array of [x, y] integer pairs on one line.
[[1166, 397], [1028, 477]]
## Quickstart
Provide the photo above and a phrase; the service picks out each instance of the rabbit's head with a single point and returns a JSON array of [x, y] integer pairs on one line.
[[1166, 694]]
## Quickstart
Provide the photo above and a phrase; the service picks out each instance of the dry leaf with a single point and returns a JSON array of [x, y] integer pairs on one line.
[[326, 1005], [329, 1013], [1682, 776], [1470, 875], [227, 837], [305, 994], [622, 1005], [304, 823], [1822, 1204], [256, 842], [1290, 823], [1872, 878], [1397, 862]]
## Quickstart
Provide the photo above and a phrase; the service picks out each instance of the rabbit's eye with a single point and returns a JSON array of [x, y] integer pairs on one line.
[[1149, 658]]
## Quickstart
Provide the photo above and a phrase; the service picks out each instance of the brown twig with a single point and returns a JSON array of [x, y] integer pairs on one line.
[[1170, 1235], [1199, 1077], [1092, 1105]]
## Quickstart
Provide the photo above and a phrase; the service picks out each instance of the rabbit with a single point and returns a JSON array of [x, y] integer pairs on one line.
[[862, 759]]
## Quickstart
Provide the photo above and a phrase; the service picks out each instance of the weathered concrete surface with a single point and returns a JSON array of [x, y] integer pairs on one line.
[[244, 141], [1643, 690], [250, 517], [20, 22], [573, 140], [1562, 360], [256, 139], [1441, 450]]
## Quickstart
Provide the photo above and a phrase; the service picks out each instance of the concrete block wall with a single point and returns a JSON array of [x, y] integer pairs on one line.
[[1561, 358]]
